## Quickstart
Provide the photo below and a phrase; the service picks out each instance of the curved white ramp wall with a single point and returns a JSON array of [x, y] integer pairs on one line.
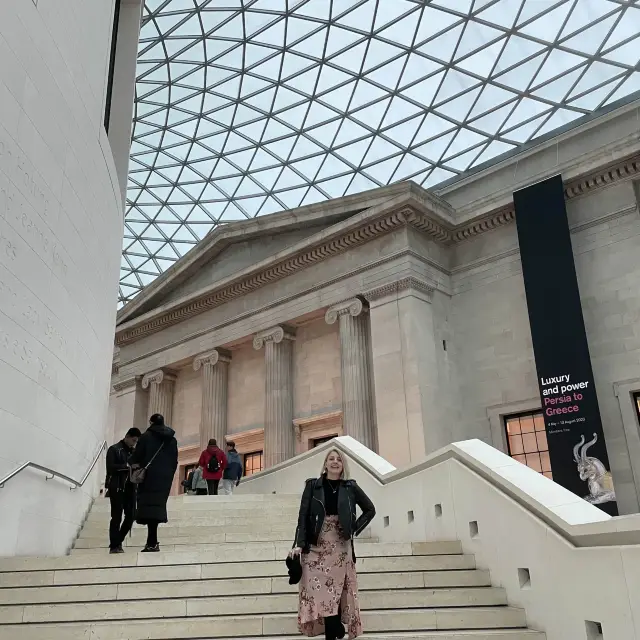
[[60, 237]]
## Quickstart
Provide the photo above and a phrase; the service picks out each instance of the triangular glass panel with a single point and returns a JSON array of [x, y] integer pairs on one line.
[[299, 28], [365, 93], [293, 64], [404, 132], [557, 90], [389, 74], [226, 185], [211, 20], [339, 98], [268, 177], [403, 30], [332, 167], [324, 133], [490, 99], [455, 82], [434, 149], [201, 230], [271, 206], [273, 35], [379, 52], [241, 159], [545, 27], [559, 119], [628, 54], [313, 196], [330, 78], [293, 197], [443, 46], [424, 92], [281, 148], [305, 147], [248, 188], [286, 98], [235, 142], [354, 152], [269, 69], [361, 17], [309, 167], [263, 159], [595, 98], [409, 166], [289, 179], [461, 6], [596, 74], [361, 183], [503, 13], [254, 54], [476, 36], [523, 133], [493, 120], [521, 77], [631, 85], [254, 130], [465, 139], [263, 100], [379, 150], [399, 109], [305, 82], [319, 114], [340, 39], [313, 44], [391, 12], [558, 63], [232, 59], [251, 205], [315, 9], [245, 114], [591, 39], [294, 116], [432, 126], [464, 161], [233, 214], [382, 171], [372, 115], [527, 108], [517, 49], [352, 58], [626, 28], [483, 62], [433, 22], [336, 187], [417, 68]]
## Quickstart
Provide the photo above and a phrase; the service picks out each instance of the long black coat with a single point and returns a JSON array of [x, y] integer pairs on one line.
[[153, 493]]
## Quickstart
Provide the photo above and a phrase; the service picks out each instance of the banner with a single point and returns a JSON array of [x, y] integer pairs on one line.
[[577, 448]]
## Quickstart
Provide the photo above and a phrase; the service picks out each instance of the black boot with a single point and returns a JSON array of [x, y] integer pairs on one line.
[[333, 628]]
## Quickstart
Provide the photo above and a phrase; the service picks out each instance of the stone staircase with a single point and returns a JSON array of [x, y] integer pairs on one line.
[[221, 574]]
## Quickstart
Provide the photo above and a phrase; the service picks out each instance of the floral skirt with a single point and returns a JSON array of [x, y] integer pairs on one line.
[[329, 584]]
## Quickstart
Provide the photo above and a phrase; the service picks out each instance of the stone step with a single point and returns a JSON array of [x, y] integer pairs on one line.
[[221, 503], [210, 518], [229, 553], [190, 587], [191, 529], [203, 542], [229, 626], [439, 570], [243, 605]]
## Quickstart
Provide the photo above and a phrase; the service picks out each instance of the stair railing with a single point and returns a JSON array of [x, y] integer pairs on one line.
[[52, 473]]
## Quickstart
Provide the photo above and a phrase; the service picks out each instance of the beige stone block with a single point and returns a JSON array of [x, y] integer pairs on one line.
[[27, 579], [36, 595], [416, 563], [399, 620], [480, 618], [477, 578], [258, 569], [129, 574], [11, 615], [444, 547], [198, 588], [428, 598], [242, 605]]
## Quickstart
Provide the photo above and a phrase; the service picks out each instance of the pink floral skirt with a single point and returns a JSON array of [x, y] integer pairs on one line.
[[329, 583]]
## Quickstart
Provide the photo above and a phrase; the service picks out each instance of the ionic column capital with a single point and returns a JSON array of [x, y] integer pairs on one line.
[[276, 335], [157, 377], [353, 307], [211, 358]]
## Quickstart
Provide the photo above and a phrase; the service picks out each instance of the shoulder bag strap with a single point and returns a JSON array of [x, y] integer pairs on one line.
[[154, 456]]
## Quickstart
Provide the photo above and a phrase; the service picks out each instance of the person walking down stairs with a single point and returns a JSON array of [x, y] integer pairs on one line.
[[157, 454], [198, 483], [233, 471], [212, 462], [326, 528]]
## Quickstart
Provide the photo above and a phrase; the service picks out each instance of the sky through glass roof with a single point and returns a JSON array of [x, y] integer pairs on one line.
[[245, 108]]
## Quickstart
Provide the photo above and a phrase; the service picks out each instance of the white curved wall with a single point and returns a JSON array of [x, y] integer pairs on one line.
[[60, 239]]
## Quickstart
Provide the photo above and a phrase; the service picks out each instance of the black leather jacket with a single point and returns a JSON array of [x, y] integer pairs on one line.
[[117, 468], [312, 512]]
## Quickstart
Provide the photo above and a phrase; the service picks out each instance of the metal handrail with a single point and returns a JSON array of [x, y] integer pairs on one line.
[[54, 474]]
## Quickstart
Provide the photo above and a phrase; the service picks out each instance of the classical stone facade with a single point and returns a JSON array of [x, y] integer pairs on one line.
[[397, 316]]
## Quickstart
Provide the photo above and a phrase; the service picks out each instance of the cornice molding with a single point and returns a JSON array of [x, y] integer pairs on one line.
[[353, 307], [211, 358], [430, 224], [311, 423], [157, 377], [127, 383], [402, 284], [274, 334]]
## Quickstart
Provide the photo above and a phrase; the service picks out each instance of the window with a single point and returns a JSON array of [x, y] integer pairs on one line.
[[318, 441], [252, 463], [636, 403], [527, 441], [186, 470]]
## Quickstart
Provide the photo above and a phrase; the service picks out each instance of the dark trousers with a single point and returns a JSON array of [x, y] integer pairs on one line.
[[122, 502], [213, 487], [152, 534], [333, 627], [201, 492]]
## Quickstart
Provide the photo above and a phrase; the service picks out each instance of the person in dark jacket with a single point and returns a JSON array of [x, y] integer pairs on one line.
[[212, 477], [119, 490], [158, 449], [233, 471], [327, 525]]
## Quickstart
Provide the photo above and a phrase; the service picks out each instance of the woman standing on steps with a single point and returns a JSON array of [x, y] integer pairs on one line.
[[327, 525], [157, 450]]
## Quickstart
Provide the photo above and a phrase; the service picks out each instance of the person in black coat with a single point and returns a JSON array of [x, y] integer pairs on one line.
[[159, 441]]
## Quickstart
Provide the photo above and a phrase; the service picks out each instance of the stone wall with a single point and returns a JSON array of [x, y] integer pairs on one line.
[[246, 390], [187, 402]]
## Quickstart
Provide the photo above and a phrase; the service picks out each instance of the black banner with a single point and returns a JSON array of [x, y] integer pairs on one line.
[[577, 448]]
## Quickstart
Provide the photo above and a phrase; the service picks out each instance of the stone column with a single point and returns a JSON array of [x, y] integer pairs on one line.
[[215, 385], [160, 384], [279, 437], [130, 407], [357, 396]]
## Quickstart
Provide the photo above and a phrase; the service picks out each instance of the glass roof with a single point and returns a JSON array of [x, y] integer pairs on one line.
[[248, 107]]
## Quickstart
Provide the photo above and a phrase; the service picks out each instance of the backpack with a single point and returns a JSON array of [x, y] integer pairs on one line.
[[213, 466]]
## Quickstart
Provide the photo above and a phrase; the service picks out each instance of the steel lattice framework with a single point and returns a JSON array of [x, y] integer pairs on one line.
[[247, 107]]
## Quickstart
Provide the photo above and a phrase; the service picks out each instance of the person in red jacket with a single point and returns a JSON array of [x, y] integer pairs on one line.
[[213, 462]]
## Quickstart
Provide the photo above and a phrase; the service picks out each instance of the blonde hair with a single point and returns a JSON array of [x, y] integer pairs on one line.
[[345, 465]]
